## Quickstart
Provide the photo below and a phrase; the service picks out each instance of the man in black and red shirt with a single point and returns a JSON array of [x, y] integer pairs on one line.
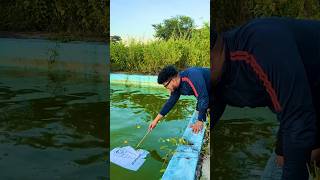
[[194, 81], [273, 62]]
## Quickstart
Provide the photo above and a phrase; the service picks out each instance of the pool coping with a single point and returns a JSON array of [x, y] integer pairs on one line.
[[271, 170], [134, 79], [184, 162]]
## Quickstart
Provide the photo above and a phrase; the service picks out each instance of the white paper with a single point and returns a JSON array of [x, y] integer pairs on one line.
[[127, 157]]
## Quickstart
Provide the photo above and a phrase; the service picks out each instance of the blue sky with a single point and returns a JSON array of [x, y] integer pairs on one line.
[[134, 18]]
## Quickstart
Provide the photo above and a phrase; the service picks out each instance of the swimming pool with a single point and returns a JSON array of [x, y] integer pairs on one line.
[[243, 141], [132, 108], [52, 125]]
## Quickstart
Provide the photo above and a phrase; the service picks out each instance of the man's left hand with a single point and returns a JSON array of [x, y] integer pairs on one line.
[[197, 127]]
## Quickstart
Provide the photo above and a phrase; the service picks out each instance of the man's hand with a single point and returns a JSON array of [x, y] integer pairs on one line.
[[197, 127], [280, 161], [153, 124]]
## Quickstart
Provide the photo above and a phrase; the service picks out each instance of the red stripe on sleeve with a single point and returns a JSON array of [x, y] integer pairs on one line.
[[191, 84], [250, 59]]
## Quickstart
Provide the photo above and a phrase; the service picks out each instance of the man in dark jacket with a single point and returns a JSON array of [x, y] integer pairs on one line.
[[193, 81], [273, 62]]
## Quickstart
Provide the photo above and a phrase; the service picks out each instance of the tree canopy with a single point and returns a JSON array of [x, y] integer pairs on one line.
[[175, 27], [56, 16], [226, 15]]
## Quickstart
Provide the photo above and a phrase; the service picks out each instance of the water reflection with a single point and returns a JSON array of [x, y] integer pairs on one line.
[[52, 120], [132, 107], [150, 101], [241, 148]]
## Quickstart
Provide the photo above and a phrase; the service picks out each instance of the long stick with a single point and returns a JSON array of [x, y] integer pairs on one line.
[[143, 138]]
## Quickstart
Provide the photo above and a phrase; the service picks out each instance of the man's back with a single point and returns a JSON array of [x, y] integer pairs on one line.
[[276, 62], [305, 34]]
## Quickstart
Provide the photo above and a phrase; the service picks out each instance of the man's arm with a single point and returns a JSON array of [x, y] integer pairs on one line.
[[198, 84], [174, 97], [217, 108], [276, 60]]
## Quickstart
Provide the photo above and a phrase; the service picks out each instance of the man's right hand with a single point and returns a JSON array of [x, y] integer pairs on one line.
[[280, 161], [153, 124]]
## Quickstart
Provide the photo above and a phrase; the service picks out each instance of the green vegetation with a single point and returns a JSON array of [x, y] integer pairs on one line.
[[149, 57], [71, 19], [179, 26], [314, 171], [174, 141], [226, 15]]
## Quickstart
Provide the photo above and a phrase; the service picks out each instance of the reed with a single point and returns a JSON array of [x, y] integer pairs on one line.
[[149, 57]]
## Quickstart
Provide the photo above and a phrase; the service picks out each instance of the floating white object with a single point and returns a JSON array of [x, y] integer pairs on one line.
[[127, 157]]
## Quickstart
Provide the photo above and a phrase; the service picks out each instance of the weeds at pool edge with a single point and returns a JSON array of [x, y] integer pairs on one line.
[[314, 171], [169, 152]]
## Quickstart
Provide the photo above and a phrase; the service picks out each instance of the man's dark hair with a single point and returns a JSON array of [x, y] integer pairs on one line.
[[166, 74]]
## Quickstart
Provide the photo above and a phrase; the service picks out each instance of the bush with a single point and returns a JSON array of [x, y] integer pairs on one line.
[[226, 15], [149, 57], [87, 17]]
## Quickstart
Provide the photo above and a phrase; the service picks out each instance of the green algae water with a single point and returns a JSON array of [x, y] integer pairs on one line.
[[53, 109], [52, 125], [132, 108], [243, 141]]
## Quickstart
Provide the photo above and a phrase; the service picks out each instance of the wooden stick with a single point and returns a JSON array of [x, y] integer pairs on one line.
[[143, 138]]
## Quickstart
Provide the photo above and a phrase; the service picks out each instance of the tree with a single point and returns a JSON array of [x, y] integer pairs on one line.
[[226, 15], [115, 39], [175, 27]]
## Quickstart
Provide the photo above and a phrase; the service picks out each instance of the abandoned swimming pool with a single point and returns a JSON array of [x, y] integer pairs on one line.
[[131, 110], [243, 140]]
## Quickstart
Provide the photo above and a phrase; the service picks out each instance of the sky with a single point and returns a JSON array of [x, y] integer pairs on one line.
[[134, 18]]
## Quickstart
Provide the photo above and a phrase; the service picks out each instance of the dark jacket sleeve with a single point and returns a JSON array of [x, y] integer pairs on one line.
[[201, 93], [174, 97], [217, 107], [277, 53]]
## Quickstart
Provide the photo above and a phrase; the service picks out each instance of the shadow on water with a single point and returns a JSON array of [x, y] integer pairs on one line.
[[155, 155], [52, 125], [241, 148]]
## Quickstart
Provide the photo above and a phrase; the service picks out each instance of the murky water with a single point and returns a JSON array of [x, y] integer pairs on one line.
[[52, 125], [242, 143], [132, 109]]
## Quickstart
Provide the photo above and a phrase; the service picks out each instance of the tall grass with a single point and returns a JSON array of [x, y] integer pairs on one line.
[[76, 19], [149, 57]]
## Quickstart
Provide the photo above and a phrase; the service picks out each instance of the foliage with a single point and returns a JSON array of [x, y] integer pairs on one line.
[[151, 56], [174, 141], [177, 27], [84, 17], [314, 171], [115, 38], [226, 15]]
